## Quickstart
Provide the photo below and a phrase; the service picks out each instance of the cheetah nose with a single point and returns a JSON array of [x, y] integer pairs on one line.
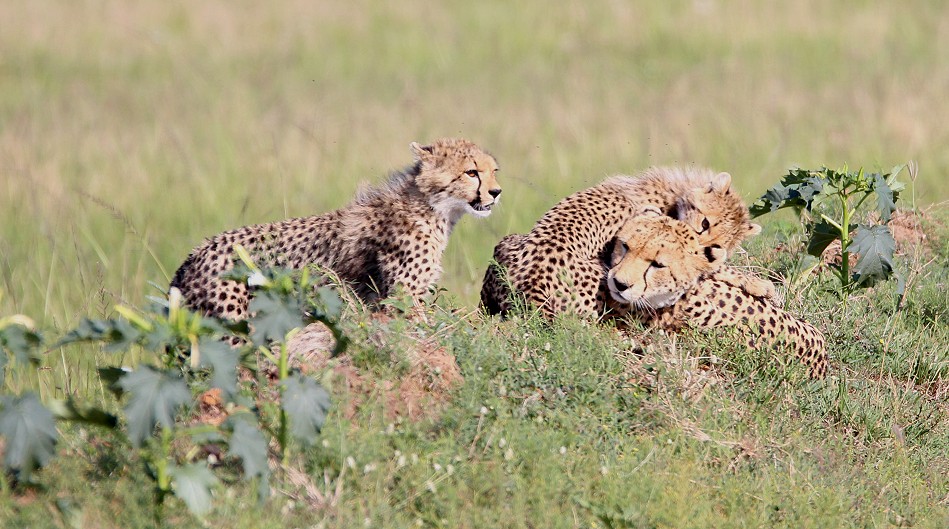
[[494, 192], [620, 286]]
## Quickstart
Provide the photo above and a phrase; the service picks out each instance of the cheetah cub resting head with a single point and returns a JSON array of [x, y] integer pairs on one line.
[[658, 275], [658, 259]]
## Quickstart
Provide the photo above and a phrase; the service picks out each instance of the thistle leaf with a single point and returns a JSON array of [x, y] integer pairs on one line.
[[886, 201], [306, 404], [823, 234], [70, 410], [154, 399], [20, 342], [29, 431], [192, 483], [797, 190], [222, 359], [875, 245], [275, 316], [118, 334]]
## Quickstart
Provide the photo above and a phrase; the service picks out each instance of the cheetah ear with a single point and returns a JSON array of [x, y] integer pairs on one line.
[[421, 151], [753, 229], [720, 182]]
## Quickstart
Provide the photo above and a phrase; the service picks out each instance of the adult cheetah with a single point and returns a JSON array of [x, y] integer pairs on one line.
[[559, 266], [391, 235], [660, 285]]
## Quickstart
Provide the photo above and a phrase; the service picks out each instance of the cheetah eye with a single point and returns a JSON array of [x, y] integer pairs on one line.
[[473, 173], [706, 224]]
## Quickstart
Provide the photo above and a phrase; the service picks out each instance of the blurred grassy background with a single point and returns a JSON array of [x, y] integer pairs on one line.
[[131, 130]]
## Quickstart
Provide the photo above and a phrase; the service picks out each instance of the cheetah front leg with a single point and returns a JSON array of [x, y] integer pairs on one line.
[[750, 284]]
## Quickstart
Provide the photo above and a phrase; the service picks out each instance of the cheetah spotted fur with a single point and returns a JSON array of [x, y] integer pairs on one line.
[[559, 265], [392, 235], [718, 300]]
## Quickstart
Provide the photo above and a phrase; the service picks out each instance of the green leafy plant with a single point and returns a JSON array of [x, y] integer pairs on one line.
[[833, 205], [190, 355]]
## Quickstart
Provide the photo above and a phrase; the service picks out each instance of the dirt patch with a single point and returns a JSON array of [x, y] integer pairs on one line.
[[420, 393], [912, 230], [211, 408]]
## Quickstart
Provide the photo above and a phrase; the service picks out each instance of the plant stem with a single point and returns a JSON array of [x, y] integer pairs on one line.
[[844, 245], [283, 371], [160, 461]]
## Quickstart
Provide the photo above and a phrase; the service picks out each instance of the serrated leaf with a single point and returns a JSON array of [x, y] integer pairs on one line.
[[226, 327], [158, 338], [895, 185], [274, 317], [875, 245], [886, 202], [111, 376], [154, 399], [118, 334], [20, 342], [222, 359], [822, 235], [192, 483], [796, 190], [249, 444], [29, 431], [306, 404], [70, 410], [330, 302]]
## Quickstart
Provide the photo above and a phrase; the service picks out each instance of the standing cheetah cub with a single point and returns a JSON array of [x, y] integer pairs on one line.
[[559, 266], [390, 235]]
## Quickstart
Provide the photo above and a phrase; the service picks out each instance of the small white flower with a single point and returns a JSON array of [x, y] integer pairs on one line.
[[604, 470], [450, 469], [350, 462], [397, 453], [256, 279], [367, 522], [414, 459], [502, 443], [400, 462], [547, 347], [483, 410], [325, 443], [563, 450], [390, 429], [509, 455], [430, 486], [437, 467], [368, 468]]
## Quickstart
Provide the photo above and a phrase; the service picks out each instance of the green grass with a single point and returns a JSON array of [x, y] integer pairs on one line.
[[130, 131]]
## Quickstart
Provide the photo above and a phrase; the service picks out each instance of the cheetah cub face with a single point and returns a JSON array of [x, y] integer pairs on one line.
[[655, 259], [716, 213], [458, 177]]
